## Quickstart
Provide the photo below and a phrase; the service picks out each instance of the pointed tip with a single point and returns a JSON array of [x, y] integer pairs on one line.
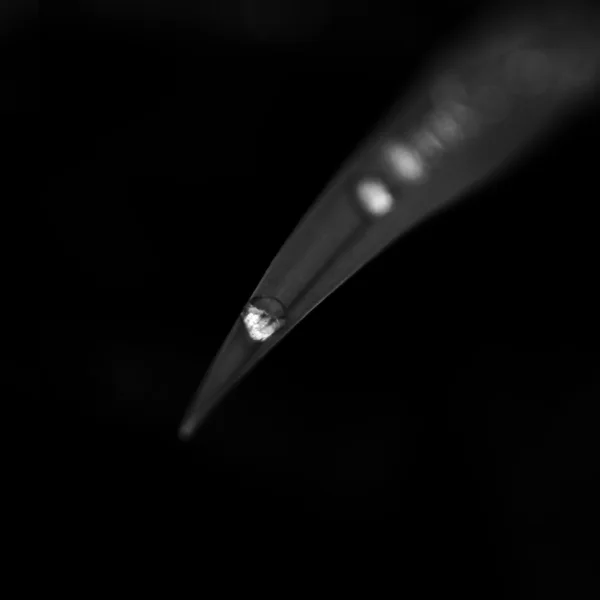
[[187, 428], [197, 414]]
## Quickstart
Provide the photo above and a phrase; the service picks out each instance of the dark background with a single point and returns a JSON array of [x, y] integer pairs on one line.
[[430, 428]]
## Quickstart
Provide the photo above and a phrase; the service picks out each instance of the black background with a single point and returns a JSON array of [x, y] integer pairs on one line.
[[430, 428]]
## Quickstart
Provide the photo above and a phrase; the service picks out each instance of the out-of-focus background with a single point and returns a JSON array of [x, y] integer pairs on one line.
[[430, 429]]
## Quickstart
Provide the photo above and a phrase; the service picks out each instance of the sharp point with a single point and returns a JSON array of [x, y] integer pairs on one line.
[[187, 429]]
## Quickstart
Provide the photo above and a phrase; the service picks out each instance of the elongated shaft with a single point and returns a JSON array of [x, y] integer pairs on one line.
[[469, 116]]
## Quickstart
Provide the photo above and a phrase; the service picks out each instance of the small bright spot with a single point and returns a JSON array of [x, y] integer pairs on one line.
[[407, 163], [259, 323], [375, 197]]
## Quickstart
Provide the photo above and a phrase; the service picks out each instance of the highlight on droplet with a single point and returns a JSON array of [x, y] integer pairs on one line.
[[406, 162], [374, 197], [262, 317]]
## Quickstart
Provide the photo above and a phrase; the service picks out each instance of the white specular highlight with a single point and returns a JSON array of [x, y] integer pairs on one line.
[[407, 162], [375, 197], [259, 323]]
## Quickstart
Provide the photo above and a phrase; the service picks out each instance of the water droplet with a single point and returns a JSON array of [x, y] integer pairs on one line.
[[406, 162], [262, 317], [375, 197]]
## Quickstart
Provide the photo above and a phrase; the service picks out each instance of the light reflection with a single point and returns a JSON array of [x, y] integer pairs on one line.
[[375, 197], [262, 317], [406, 162]]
